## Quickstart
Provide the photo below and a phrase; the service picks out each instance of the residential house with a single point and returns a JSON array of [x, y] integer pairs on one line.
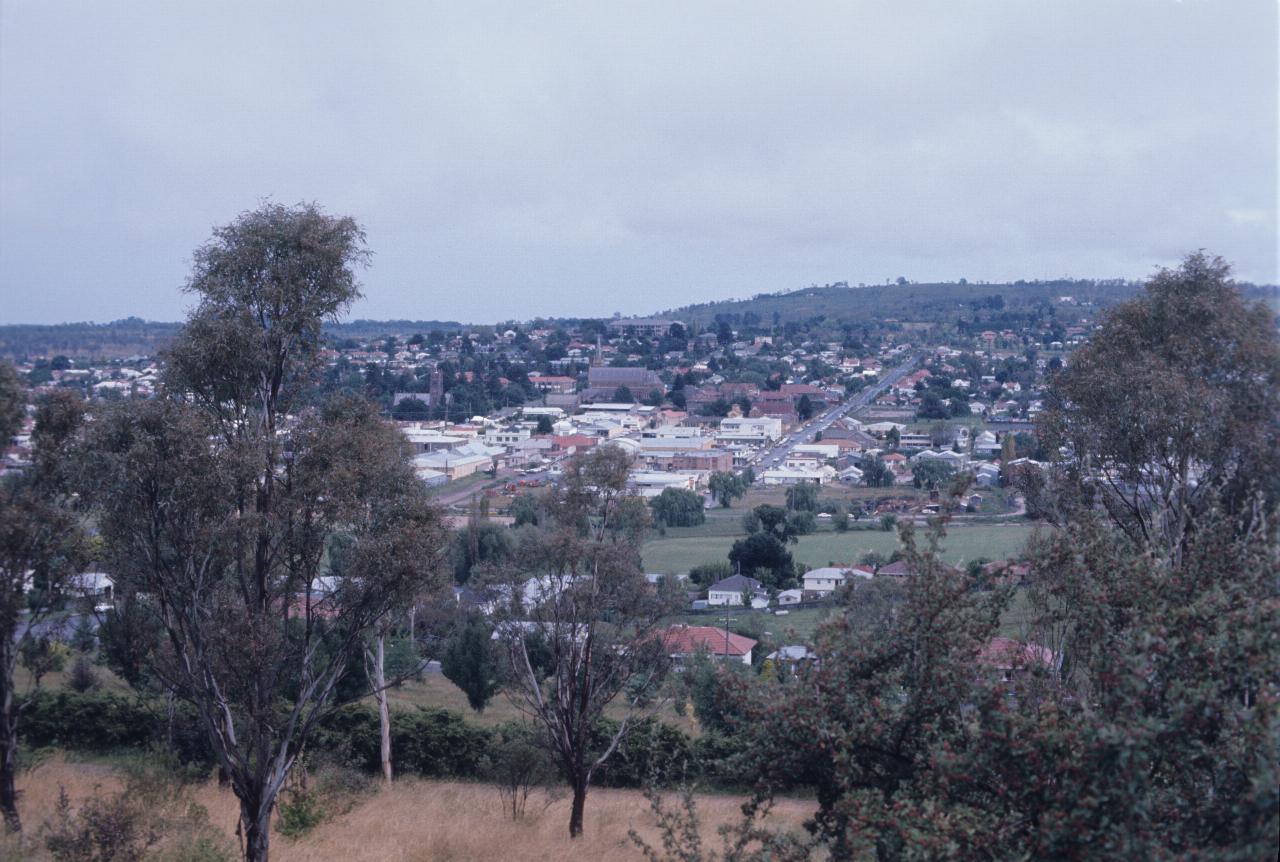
[[731, 590], [1011, 658], [791, 657], [683, 642], [986, 445], [822, 582], [790, 597], [986, 475]]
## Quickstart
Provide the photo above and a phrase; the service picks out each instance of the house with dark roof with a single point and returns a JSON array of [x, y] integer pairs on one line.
[[730, 591]]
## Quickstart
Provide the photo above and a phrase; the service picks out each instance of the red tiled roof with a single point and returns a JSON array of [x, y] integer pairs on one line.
[[1008, 653], [686, 640], [582, 441]]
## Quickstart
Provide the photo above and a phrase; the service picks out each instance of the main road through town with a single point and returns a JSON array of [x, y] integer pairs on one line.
[[808, 431]]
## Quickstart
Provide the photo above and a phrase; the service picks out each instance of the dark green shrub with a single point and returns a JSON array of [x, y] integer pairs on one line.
[[299, 813], [91, 721], [652, 753]]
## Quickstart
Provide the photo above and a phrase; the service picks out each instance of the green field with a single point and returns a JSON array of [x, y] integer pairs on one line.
[[678, 553]]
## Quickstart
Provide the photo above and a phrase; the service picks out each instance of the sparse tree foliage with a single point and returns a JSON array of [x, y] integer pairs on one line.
[[802, 497], [578, 585], [42, 546], [218, 501], [726, 487], [931, 474]]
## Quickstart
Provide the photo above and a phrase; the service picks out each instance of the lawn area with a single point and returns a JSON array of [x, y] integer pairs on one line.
[[678, 553], [796, 626], [434, 691]]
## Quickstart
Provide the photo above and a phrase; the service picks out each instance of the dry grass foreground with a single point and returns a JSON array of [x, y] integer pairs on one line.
[[415, 820]]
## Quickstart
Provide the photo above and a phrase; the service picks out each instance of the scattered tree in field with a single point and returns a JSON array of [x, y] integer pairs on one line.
[[525, 510], [876, 474], [470, 662], [82, 678], [931, 474], [676, 507], [763, 551], [219, 498], [41, 548], [579, 586], [517, 762], [479, 543], [726, 487], [802, 497], [773, 520], [802, 522]]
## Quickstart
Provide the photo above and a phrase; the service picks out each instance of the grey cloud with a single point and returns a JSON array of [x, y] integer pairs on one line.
[[518, 159]]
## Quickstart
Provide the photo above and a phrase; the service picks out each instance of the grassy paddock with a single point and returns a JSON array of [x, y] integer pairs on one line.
[[435, 691], [679, 553], [410, 821]]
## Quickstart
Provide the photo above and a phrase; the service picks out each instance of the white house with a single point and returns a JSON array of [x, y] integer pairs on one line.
[[826, 580], [851, 476], [985, 445], [986, 475], [790, 597], [94, 585], [730, 590]]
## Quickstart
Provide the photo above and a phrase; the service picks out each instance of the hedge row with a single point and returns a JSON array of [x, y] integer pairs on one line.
[[433, 743]]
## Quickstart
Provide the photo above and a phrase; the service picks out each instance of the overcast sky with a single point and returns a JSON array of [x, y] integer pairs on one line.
[[516, 159]]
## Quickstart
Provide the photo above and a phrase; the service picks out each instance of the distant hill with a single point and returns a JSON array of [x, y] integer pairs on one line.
[[840, 303], [374, 328], [115, 340], [135, 336], [833, 305], [933, 302]]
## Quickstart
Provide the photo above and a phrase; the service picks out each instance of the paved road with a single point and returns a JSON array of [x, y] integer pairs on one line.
[[805, 433], [447, 498]]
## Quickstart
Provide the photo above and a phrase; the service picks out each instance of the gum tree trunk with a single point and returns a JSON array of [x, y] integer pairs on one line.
[[9, 759], [579, 807], [384, 716], [257, 832]]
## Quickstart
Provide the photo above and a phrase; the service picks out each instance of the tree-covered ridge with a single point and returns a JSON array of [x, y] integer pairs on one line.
[[841, 303]]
